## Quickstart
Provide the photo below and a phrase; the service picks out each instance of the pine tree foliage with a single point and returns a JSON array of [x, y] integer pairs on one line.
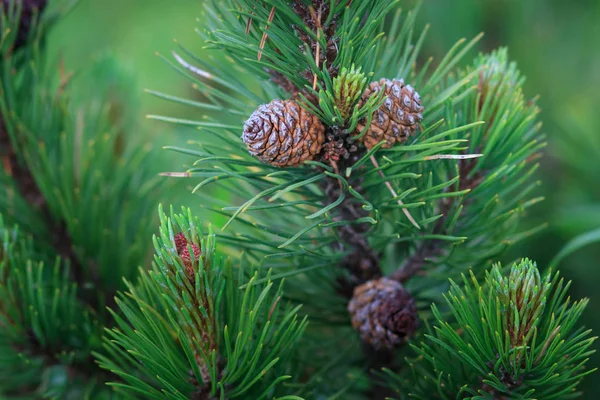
[[86, 143], [515, 337], [45, 328], [426, 184], [447, 201], [82, 195], [193, 334], [85, 313]]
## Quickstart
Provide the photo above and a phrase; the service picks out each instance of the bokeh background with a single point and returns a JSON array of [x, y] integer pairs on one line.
[[555, 42]]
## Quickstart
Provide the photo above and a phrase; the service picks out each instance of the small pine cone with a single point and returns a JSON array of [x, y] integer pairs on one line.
[[396, 119], [187, 260], [383, 312], [180, 242], [27, 17], [283, 134]]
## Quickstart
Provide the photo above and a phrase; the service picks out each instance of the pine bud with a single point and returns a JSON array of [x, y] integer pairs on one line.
[[283, 134], [348, 87], [384, 313], [522, 297]]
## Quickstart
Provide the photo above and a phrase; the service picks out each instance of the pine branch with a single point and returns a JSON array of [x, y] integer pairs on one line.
[[22, 176], [12, 145], [510, 354], [229, 171], [74, 156], [27, 187], [497, 81], [87, 227], [22, 19], [429, 250], [361, 261], [328, 224], [33, 297], [217, 341]]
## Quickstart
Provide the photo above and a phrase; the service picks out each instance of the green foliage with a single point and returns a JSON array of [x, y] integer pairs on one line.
[[495, 190], [464, 203], [43, 322], [339, 96], [294, 192], [514, 337], [442, 205], [230, 20], [576, 244], [187, 334], [80, 191], [465, 177], [84, 167]]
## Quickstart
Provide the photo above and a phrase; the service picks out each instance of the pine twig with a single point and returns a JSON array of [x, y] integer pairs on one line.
[[430, 249], [417, 261], [362, 262]]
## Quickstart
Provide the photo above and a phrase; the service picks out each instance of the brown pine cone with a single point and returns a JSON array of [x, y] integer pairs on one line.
[[283, 134], [396, 119], [26, 18], [384, 313]]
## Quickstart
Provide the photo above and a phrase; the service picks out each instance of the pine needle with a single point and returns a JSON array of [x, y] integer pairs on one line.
[[393, 192], [263, 40], [453, 156]]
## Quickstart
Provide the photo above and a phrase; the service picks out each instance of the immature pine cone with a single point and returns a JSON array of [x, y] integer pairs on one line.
[[26, 18], [383, 312], [283, 134], [181, 244], [396, 119]]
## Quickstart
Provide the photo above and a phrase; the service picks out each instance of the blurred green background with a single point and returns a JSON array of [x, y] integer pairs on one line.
[[555, 42]]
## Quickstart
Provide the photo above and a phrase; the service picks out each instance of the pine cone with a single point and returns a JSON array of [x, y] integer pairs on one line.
[[383, 312], [181, 244], [283, 134], [187, 259], [26, 18], [396, 119]]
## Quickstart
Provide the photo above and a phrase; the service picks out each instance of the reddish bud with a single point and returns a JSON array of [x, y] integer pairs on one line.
[[187, 260], [180, 242]]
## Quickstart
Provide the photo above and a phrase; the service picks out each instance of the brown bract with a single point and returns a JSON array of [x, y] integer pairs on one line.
[[396, 119], [283, 134], [384, 313]]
